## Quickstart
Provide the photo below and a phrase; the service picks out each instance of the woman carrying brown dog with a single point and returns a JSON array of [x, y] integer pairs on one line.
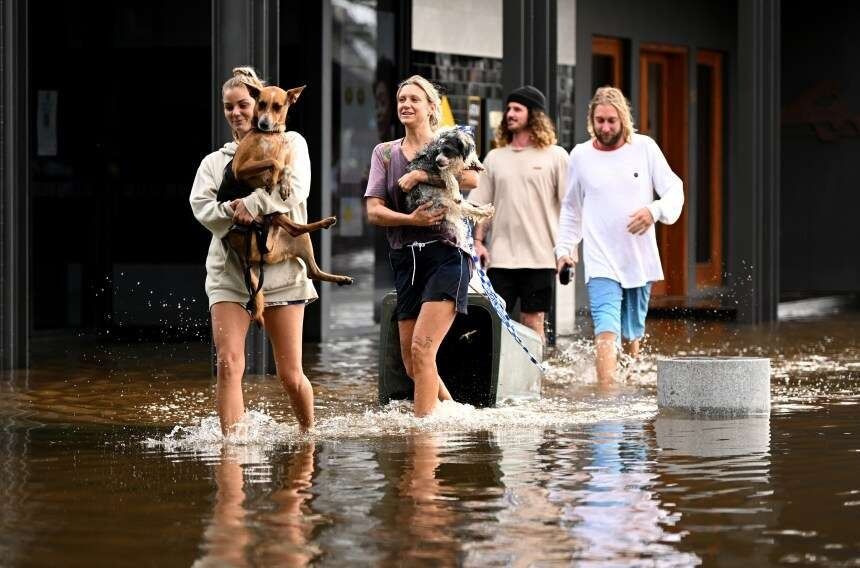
[[287, 287], [431, 272]]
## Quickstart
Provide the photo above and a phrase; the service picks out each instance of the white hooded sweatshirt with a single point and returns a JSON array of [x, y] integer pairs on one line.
[[224, 279]]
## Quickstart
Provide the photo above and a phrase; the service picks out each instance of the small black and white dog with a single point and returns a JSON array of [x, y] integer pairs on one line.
[[448, 154]]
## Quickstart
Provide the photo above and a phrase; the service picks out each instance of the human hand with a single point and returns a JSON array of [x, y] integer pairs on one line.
[[640, 221], [410, 179], [423, 216], [564, 261], [241, 215], [483, 253]]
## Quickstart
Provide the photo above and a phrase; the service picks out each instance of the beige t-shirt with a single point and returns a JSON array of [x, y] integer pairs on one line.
[[527, 187]]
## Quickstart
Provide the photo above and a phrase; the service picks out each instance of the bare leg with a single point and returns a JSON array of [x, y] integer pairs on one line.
[[433, 323], [406, 328], [535, 321], [607, 357], [230, 324], [632, 348], [284, 325]]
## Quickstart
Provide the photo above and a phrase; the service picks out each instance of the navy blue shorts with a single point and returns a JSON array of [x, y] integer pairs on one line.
[[429, 273]]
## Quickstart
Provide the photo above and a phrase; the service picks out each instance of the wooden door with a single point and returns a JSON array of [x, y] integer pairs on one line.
[[663, 116], [607, 63]]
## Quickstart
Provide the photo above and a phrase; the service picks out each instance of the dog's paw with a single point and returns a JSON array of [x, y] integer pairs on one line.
[[284, 190]]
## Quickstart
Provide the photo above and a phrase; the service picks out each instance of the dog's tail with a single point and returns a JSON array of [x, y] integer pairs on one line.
[[258, 300]]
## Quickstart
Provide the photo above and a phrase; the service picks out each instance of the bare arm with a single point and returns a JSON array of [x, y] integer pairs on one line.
[[481, 249], [467, 179], [378, 213]]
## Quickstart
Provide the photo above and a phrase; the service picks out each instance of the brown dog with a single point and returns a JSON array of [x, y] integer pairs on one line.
[[263, 159], [284, 239]]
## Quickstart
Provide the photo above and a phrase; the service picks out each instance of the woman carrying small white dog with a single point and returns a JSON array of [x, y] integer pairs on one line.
[[431, 272], [286, 286]]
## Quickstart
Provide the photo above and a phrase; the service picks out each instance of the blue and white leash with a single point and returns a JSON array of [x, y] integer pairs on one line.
[[496, 301]]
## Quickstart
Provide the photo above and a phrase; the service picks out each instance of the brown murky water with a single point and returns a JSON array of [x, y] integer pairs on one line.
[[110, 455]]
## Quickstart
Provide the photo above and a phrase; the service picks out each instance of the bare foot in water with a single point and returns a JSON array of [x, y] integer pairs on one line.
[[238, 430], [608, 388]]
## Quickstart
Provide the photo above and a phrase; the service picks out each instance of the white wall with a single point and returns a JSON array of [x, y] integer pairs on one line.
[[566, 31], [471, 28]]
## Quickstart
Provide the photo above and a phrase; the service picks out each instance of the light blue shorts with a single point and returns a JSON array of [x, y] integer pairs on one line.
[[618, 310]]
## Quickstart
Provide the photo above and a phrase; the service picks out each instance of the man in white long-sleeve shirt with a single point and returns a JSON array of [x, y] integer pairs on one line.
[[610, 206]]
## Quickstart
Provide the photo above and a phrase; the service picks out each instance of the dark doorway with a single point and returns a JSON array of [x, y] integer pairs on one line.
[[710, 184], [120, 119], [607, 63]]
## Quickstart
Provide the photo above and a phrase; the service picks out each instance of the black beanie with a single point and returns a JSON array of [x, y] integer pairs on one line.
[[528, 96]]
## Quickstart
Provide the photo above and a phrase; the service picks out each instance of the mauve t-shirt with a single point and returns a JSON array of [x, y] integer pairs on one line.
[[382, 183]]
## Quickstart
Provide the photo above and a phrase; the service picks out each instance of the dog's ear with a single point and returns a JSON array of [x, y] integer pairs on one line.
[[253, 91], [293, 94], [472, 161]]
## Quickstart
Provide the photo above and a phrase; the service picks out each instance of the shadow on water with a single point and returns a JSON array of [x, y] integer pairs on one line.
[[111, 452]]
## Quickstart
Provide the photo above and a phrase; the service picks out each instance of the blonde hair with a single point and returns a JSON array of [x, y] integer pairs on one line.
[[540, 126], [432, 97], [243, 77], [614, 97]]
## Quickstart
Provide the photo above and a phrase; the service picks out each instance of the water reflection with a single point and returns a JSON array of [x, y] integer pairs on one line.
[[227, 536], [422, 515], [87, 456], [715, 474], [611, 506], [702, 437], [526, 527], [244, 532], [347, 488]]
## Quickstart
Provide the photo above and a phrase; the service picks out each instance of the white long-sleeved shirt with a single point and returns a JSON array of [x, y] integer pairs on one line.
[[224, 277], [604, 188]]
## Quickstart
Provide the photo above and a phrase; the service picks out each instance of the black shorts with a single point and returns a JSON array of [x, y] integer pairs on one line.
[[531, 286], [436, 272]]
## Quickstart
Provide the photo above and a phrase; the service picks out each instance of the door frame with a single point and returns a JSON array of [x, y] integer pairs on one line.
[[710, 274], [675, 129], [613, 48]]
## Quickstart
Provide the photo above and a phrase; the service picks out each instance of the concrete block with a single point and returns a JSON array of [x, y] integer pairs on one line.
[[722, 386]]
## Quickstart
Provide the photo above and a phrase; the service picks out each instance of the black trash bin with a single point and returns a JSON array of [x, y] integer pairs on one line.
[[479, 361]]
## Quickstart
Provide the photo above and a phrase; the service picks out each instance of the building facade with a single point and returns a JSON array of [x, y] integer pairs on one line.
[[108, 110]]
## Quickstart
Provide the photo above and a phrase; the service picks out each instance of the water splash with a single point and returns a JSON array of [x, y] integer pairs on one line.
[[260, 429]]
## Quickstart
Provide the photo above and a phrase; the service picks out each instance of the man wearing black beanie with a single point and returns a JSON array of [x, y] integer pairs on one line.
[[525, 180]]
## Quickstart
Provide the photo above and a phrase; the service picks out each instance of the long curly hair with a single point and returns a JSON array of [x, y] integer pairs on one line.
[[540, 125], [614, 97]]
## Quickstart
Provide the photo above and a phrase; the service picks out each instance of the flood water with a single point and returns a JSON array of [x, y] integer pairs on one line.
[[110, 454]]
